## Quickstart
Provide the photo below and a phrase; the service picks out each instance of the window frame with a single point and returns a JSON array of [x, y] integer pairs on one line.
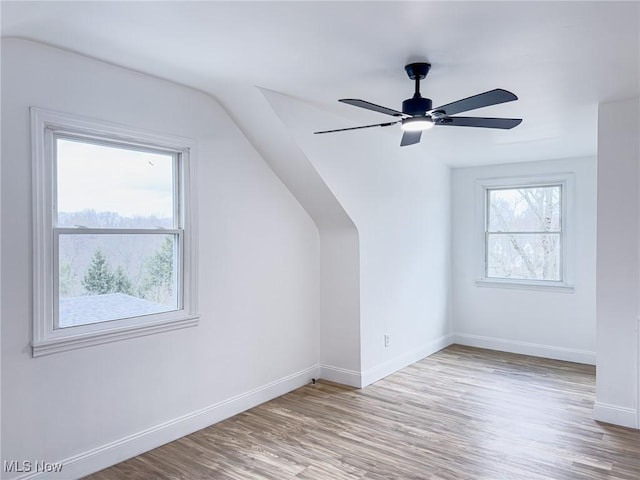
[[46, 126], [567, 241]]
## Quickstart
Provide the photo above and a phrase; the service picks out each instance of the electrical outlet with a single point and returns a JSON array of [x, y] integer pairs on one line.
[[386, 341]]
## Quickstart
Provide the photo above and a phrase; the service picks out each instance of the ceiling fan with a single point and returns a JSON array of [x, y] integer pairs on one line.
[[417, 113]]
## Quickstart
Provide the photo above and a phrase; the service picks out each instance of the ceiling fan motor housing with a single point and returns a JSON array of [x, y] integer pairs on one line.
[[416, 106]]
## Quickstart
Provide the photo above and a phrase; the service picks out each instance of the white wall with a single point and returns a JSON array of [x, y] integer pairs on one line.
[[339, 245], [404, 228], [618, 273], [552, 324], [258, 335], [340, 305], [399, 201]]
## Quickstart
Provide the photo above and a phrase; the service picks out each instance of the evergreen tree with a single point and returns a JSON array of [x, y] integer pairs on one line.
[[157, 284], [66, 280], [121, 283], [99, 278]]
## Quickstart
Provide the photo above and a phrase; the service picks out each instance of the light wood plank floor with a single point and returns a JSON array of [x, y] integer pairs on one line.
[[463, 413]]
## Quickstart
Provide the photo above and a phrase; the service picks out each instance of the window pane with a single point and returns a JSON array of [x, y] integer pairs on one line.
[[109, 277], [100, 186], [524, 256], [524, 209]]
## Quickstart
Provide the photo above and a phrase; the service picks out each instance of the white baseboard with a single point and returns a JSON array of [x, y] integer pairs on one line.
[[387, 368], [623, 416], [360, 380], [341, 375], [525, 348], [117, 451]]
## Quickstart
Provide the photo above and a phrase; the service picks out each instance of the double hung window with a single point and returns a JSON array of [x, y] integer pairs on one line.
[[525, 239], [113, 232]]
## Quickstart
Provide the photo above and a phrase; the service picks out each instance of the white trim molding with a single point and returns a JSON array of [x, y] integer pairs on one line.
[[342, 376], [526, 348], [638, 373], [382, 370], [526, 285], [615, 415], [121, 449], [357, 379]]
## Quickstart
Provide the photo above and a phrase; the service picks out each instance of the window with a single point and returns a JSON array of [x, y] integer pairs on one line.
[[113, 232], [525, 231]]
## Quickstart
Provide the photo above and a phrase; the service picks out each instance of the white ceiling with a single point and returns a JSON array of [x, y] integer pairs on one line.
[[560, 58]]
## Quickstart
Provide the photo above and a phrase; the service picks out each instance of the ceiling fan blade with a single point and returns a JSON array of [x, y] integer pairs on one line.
[[371, 106], [357, 128], [503, 123], [492, 97], [410, 138]]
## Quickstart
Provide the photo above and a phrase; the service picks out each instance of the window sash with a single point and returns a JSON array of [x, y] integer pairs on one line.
[[179, 264], [561, 233], [115, 231], [560, 257], [52, 135], [523, 232], [488, 190]]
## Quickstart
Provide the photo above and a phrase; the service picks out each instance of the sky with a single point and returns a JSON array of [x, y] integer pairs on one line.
[[110, 179]]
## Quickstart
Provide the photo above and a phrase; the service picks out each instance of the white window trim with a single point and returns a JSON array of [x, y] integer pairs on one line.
[[567, 180], [47, 340]]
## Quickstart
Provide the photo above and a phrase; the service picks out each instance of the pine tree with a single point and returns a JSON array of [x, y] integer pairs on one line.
[[66, 280], [99, 278], [158, 282], [121, 283]]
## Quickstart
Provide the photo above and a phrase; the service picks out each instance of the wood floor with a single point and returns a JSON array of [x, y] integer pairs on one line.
[[462, 413]]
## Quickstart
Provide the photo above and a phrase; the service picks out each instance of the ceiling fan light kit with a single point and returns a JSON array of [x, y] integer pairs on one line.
[[416, 124], [418, 113]]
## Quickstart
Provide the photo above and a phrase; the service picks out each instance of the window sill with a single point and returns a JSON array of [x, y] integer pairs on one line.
[[72, 342], [526, 285]]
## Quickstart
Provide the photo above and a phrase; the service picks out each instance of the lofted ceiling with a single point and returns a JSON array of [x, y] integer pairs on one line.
[[560, 58]]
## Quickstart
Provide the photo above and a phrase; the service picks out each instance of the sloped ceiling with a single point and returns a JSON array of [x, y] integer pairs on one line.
[[560, 58]]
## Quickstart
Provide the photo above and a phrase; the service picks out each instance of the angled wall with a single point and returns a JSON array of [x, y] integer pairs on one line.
[[259, 265], [339, 264], [399, 201]]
